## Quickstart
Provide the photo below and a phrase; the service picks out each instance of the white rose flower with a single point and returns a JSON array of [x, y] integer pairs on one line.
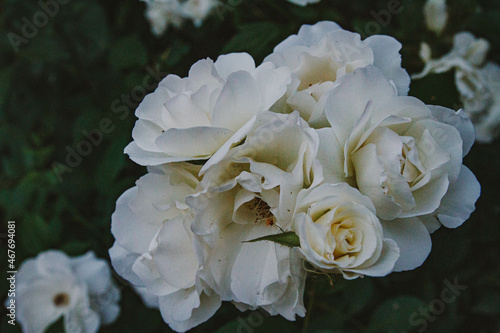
[[404, 155], [154, 245], [436, 15], [162, 13], [340, 233], [211, 104], [79, 289], [247, 192], [321, 54]]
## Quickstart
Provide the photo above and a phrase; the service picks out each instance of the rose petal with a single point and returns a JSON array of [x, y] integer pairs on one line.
[[413, 240], [459, 202]]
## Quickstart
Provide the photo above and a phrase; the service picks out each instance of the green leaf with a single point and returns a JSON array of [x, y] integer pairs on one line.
[[286, 238], [359, 292], [85, 27], [36, 234], [395, 315], [5, 75], [257, 38], [47, 47], [128, 52], [112, 164], [75, 247], [488, 305]]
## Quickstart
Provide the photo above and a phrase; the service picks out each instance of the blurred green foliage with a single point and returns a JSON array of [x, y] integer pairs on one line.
[[80, 68]]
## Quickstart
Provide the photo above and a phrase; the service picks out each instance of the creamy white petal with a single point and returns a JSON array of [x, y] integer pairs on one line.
[[388, 60], [175, 258], [182, 112], [330, 155], [144, 157], [385, 263], [192, 143], [230, 63], [348, 101], [239, 100], [95, 272], [459, 120], [122, 261], [413, 240], [370, 180], [186, 309], [459, 202], [124, 223], [145, 133]]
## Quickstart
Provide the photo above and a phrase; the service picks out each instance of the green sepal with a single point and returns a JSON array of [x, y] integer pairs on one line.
[[288, 238]]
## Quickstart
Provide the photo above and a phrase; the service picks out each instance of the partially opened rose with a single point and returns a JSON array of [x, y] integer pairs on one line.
[[340, 233], [210, 105]]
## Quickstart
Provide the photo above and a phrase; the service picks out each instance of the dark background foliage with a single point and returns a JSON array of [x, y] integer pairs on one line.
[[89, 63]]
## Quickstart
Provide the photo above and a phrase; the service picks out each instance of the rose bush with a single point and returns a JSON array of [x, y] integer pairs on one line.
[[315, 156]]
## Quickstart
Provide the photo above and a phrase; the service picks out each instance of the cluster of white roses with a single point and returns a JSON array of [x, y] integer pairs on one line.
[[53, 285], [318, 150], [162, 13], [477, 81]]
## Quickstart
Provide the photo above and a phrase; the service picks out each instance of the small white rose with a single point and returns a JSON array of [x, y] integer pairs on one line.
[[340, 233], [79, 289]]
